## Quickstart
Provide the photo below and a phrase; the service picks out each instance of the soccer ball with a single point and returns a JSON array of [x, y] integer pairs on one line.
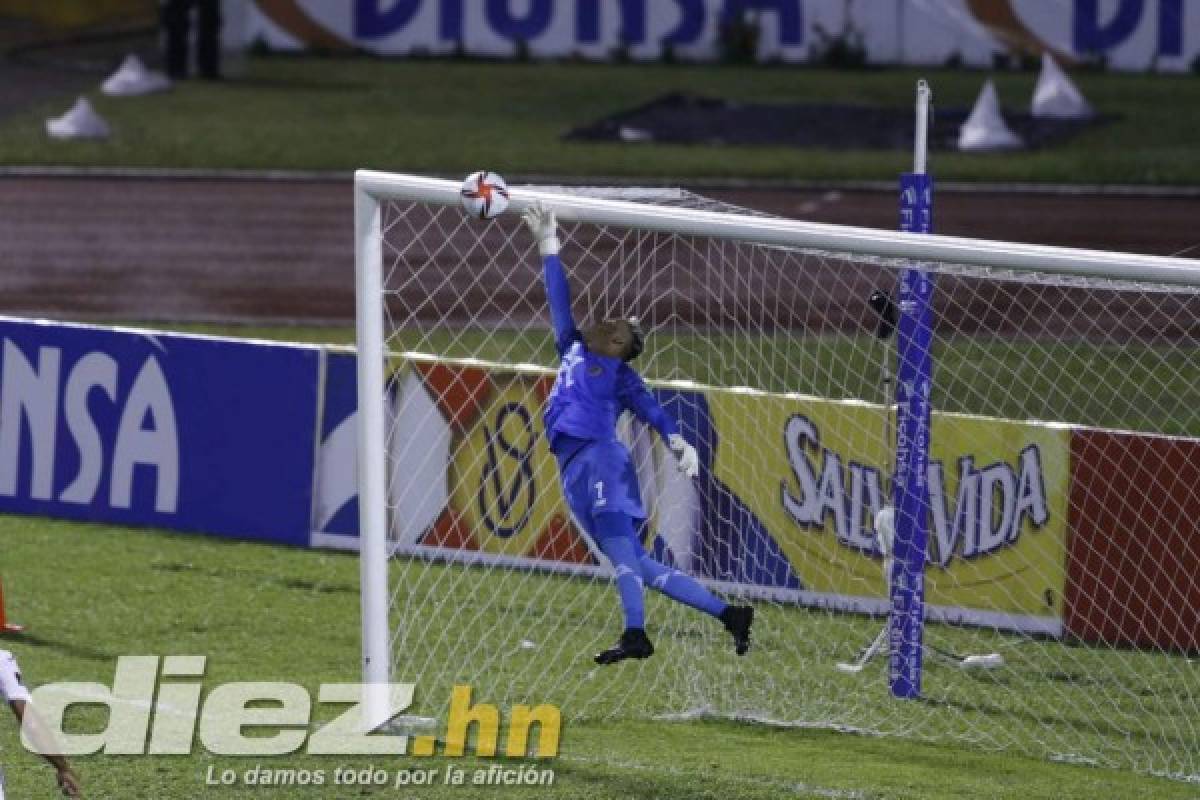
[[484, 195]]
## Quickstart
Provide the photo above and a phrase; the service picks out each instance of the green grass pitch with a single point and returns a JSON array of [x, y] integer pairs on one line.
[[447, 117], [90, 593]]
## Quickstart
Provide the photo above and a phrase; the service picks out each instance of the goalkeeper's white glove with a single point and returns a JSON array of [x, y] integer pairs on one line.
[[544, 226], [689, 462]]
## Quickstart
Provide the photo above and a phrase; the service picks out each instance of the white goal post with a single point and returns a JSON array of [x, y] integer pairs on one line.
[[1013, 323]]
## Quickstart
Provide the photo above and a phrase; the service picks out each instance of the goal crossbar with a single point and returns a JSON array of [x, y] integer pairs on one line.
[[807, 235]]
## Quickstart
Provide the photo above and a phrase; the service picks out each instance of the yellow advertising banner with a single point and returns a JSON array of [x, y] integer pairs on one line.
[[785, 504], [473, 468], [813, 471], [504, 479]]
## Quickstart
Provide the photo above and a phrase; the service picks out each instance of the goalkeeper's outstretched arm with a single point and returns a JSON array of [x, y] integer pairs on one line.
[[558, 292], [634, 395], [614, 338]]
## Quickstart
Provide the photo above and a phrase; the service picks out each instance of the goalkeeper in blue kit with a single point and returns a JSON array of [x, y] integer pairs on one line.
[[594, 385]]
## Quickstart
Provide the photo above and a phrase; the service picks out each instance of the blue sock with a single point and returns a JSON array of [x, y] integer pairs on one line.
[[617, 542], [615, 534], [681, 587]]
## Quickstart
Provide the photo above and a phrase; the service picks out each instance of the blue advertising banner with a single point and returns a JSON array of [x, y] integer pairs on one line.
[[909, 491], [181, 432]]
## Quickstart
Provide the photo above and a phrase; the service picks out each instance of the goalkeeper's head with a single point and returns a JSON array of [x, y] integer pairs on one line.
[[616, 338]]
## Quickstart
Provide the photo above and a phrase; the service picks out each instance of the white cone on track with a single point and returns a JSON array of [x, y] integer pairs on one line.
[[132, 79], [1056, 95], [81, 122], [985, 129]]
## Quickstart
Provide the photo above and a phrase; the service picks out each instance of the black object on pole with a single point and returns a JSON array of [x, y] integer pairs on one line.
[[882, 304]]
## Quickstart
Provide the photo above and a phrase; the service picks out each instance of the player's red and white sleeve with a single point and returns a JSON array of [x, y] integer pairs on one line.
[[11, 687]]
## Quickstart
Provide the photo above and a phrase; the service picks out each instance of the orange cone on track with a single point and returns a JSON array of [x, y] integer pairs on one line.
[[5, 625]]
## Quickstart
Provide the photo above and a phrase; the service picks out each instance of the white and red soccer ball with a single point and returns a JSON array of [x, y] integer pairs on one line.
[[484, 195]]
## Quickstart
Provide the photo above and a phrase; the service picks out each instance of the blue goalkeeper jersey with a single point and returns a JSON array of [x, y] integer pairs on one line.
[[591, 390]]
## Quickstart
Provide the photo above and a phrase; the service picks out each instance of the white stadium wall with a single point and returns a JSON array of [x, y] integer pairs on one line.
[[1124, 34]]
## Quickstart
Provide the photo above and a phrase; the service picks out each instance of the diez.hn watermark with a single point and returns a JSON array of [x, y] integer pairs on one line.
[[154, 705]]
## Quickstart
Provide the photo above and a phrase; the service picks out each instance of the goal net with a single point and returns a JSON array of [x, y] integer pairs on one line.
[[1063, 479]]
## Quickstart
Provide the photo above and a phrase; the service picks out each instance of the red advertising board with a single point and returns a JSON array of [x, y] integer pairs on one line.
[[1133, 555]]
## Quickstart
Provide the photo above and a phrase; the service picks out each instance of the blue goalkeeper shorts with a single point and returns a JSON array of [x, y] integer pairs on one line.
[[600, 479]]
